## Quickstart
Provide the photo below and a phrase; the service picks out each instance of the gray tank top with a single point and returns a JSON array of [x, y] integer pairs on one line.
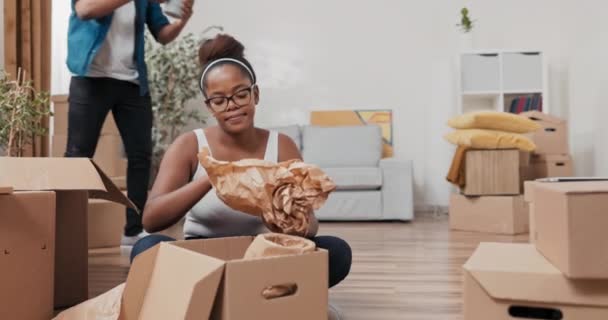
[[211, 217]]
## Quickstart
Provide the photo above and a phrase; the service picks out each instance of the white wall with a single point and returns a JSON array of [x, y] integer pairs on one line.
[[313, 55]]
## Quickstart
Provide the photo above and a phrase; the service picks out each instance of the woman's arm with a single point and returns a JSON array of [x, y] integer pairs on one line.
[[289, 151], [92, 9], [172, 195]]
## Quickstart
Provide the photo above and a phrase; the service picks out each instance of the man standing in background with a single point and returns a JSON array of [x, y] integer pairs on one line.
[[106, 59]]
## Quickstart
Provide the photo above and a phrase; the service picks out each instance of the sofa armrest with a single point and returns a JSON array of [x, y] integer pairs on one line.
[[397, 189]]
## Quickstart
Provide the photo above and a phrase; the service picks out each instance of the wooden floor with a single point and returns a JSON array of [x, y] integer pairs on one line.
[[400, 270]]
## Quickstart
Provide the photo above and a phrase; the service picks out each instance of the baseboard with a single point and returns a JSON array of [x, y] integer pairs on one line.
[[428, 208]]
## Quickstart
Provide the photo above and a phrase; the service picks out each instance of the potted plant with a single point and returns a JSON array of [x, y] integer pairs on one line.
[[466, 27], [22, 110], [173, 81]]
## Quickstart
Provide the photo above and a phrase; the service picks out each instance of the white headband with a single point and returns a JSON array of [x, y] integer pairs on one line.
[[225, 60]]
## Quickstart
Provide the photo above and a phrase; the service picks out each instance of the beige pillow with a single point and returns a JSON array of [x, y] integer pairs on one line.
[[493, 120], [490, 139]]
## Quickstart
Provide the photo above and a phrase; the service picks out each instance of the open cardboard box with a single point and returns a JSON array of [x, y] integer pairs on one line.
[[491, 214], [73, 181], [27, 252], [571, 224], [208, 279], [514, 281]]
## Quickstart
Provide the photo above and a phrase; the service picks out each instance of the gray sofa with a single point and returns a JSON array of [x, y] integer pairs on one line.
[[368, 187]]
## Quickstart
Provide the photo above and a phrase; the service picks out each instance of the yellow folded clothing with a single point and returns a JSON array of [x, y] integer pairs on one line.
[[490, 139], [494, 120]]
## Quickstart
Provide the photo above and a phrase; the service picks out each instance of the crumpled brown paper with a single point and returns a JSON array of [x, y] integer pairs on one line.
[[102, 307], [276, 244], [284, 194]]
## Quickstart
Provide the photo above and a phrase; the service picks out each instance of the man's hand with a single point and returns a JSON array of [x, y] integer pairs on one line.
[[186, 11], [171, 31]]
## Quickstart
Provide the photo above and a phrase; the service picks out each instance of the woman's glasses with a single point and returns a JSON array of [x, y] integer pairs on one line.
[[241, 98]]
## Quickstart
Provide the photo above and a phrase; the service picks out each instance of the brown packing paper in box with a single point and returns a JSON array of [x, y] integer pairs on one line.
[[74, 180], [571, 226], [491, 214], [27, 254], [552, 138], [495, 172], [106, 223], [108, 155], [555, 165], [283, 194], [60, 118], [505, 281]]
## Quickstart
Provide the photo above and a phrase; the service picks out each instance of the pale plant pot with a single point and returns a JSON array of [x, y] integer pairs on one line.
[[466, 41]]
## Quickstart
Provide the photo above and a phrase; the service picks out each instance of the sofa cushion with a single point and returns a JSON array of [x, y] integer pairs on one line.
[[342, 146], [353, 178], [292, 131]]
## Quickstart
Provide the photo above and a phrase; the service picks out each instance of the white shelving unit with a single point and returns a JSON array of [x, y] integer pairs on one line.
[[492, 79]]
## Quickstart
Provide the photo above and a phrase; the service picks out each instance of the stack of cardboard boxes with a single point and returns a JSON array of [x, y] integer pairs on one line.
[[106, 219], [492, 199], [551, 157], [563, 275]]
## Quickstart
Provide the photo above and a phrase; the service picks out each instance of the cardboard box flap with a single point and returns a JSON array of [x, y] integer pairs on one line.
[[111, 192], [518, 272], [541, 116], [169, 282], [38, 174], [229, 248], [579, 187], [6, 190]]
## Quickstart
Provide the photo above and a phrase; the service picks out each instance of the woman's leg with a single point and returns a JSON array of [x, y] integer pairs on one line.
[[340, 257], [148, 242]]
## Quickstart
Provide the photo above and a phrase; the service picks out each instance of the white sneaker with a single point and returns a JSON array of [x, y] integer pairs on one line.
[[333, 313], [130, 241]]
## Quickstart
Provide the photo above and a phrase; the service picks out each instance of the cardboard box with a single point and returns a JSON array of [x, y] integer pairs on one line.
[[552, 138], [60, 118], [208, 279], [120, 182], [108, 155], [571, 224], [507, 281], [74, 180], [528, 198], [106, 223], [491, 214], [546, 166], [27, 254], [495, 172]]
